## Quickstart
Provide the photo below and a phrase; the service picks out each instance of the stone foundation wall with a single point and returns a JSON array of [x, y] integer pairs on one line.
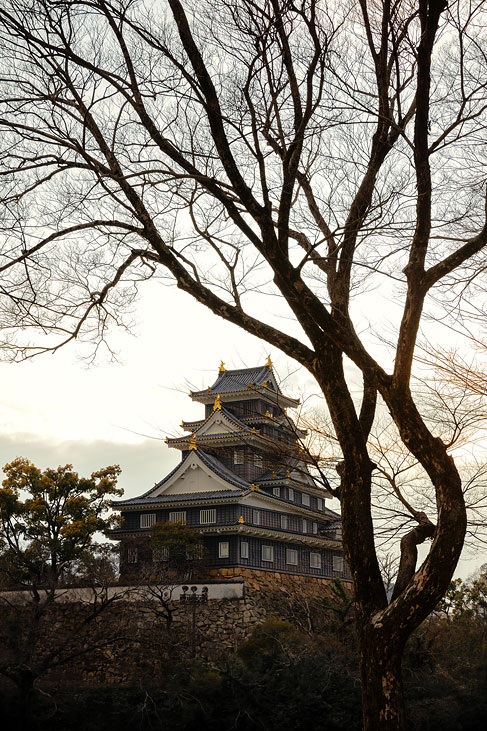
[[130, 642]]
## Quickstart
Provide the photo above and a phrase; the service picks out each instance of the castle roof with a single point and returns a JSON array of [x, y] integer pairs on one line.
[[245, 383]]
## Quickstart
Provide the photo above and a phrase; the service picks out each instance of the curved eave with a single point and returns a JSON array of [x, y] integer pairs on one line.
[[242, 529], [268, 394], [229, 439], [181, 502]]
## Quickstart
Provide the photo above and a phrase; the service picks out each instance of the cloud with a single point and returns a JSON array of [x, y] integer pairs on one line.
[[143, 463]]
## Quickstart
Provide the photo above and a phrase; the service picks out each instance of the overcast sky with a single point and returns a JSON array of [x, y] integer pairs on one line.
[[56, 410]]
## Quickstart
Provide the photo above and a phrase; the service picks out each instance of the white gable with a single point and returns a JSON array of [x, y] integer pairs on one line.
[[217, 424], [193, 476]]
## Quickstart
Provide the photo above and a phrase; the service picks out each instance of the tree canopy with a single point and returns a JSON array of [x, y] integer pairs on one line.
[[48, 519]]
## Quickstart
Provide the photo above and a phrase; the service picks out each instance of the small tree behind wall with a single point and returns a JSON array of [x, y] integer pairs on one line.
[[48, 521]]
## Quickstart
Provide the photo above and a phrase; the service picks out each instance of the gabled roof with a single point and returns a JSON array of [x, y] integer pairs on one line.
[[240, 378], [235, 483], [220, 424], [244, 383]]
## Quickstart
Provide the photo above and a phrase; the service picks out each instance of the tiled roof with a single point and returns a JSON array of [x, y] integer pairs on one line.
[[212, 463], [234, 380], [211, 495]]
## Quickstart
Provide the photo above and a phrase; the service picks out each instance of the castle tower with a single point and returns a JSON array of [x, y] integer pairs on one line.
[[243, 483]]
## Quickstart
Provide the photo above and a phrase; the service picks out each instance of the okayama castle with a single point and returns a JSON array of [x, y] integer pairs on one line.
[[243, 483]]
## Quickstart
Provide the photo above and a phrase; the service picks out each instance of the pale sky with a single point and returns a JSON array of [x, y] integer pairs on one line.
[[55, 410]]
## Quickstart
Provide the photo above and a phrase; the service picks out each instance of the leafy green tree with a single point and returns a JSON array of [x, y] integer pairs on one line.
[[178, 554], [48, 523], [49, 519]]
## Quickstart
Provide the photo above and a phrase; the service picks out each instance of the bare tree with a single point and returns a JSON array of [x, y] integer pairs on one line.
[[308, 151]]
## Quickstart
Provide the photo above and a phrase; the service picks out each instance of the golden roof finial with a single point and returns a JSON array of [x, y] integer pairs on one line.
[[241, 520], [217, 406], [267, 414], [192, 444], [252, 487], [268, 362], [222, 368]]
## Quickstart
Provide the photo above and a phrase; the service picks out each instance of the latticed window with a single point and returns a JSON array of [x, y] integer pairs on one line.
[[284, 522], [178, 516], [305, 499], [338, 563], [315, 560], [276, 491], [320, 503], [305, 526], [132, 554], [147, 519], [256, 517], [160, 554], [267, 553], [238, 456], [244, 549], [208, 516], [258, 460], [291, 556], [290, 493], [315, 527], [223, 549]]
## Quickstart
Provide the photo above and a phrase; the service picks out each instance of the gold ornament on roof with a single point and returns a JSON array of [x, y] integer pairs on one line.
[[267, 413], [166, 440], [252, 487], [222, 368], [268, 362], [274, 474], [217, 406], [192, 444], [288, 474], [241, 520]]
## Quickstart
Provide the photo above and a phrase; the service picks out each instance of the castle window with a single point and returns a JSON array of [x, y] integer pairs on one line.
[[290, 493], [337, 563], [179, 516], [256, 517], [315, 527], [257, 460], [305, 526], [160, 554], [276, 491], [147, 519], [268, 553], [132, 554], [238, 456], [223, 549], [320, 503], [208, 516], [315, 560], [244, 549], [291, 557], [284, 522], [305, 499]]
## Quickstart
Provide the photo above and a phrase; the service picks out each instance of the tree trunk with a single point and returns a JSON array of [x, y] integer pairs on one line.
[[382, 688]]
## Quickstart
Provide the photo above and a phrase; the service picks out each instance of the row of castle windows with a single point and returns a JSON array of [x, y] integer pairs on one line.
[[267, 553], [208, 516]]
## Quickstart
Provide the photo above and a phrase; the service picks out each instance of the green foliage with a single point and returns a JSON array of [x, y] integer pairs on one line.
[[183, 546], [48, 520]]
